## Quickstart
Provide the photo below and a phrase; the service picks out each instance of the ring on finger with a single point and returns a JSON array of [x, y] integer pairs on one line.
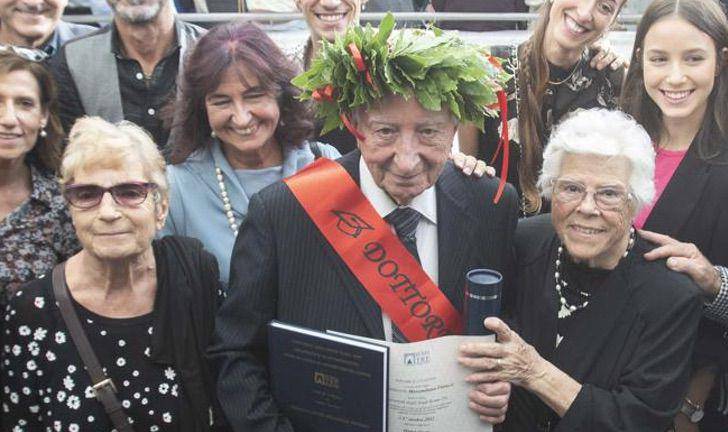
[[498, 363]]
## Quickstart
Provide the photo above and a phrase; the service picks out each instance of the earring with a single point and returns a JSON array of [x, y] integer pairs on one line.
[[43, 133], [213, 134]]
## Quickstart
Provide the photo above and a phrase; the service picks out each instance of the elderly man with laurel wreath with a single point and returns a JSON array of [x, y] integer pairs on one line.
[[312, 248]]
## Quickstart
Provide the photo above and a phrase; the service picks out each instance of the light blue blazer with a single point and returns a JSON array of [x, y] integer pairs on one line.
[[195, 205]]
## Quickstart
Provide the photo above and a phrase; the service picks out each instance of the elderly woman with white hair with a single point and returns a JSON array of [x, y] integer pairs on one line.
[[115, 335], [601, 338]]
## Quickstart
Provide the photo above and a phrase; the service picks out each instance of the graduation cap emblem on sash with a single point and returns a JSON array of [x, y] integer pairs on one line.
[[350, 223]]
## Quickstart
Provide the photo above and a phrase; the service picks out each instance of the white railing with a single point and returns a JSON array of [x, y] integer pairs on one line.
[[367, 16]]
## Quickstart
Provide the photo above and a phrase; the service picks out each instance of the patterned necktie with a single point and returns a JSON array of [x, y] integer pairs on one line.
[[404, 220]]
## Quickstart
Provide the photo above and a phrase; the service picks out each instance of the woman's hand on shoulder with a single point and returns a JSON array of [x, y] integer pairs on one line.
[[606, 56], [471, 166], [685, 258]]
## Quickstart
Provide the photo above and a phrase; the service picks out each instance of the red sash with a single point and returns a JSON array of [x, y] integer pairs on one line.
[[373, 253]]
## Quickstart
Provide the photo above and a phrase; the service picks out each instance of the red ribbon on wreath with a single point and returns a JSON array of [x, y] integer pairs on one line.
[[504, 144]]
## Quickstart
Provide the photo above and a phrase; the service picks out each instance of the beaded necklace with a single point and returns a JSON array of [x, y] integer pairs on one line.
[[226, 201], [566, 308]]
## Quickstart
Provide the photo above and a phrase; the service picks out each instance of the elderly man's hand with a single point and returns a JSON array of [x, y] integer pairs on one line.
[[510, 359], [490, 401], [685, 258], [471, 166]]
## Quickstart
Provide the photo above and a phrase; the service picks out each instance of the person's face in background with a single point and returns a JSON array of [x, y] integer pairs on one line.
[[244, 117], [680, 64], [327, 18], [137, 11], [575, 24], [22, 115], [29, 23]]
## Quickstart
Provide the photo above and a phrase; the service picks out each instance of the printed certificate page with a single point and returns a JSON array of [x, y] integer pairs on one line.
[[427, 387]]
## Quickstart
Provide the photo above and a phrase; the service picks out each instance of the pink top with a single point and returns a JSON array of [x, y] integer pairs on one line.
[[666, 163]]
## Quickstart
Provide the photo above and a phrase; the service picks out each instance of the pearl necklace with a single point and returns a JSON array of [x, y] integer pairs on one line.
[[226, 201], [566, 308]]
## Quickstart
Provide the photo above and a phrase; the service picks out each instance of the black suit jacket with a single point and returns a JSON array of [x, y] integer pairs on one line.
[[694, 208], [283, 268], [630, 348]]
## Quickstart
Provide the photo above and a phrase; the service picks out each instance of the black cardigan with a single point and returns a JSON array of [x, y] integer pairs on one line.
[[630, 348], [188, 288]]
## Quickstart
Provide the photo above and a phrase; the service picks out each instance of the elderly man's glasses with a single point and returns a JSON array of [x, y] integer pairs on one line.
[[606, 198], [86, 196]]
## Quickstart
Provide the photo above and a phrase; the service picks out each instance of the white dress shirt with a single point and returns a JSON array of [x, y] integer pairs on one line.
[[426, 234]]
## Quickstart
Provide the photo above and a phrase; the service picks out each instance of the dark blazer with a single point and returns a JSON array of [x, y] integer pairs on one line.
[[283, 268], [630, 348], [694, 208]]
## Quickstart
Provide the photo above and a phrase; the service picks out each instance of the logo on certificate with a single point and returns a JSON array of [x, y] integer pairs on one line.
[[416, 358], [326, 380]]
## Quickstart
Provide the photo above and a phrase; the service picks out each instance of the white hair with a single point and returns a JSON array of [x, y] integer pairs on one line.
[[604, 133]]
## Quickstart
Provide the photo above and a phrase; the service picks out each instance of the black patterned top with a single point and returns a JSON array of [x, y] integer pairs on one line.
[[36, 235], [579, 87], [45, 385]]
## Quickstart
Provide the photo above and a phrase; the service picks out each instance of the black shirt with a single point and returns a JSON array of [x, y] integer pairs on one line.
[[142, 97]]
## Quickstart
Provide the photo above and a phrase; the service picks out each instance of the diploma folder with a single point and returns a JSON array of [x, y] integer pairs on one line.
[[337, 382], [326, 382]]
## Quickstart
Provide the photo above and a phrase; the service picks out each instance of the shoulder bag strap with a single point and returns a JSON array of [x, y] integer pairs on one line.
[[102, 385]]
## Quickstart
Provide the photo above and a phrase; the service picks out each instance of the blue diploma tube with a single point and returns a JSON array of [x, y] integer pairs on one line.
[[482, 299]]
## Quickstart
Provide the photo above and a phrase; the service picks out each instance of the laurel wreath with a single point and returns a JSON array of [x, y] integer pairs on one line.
[[365, 64]]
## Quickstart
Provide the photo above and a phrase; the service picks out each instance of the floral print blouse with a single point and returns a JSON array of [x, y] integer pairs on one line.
[[36, 235], [45, 385]]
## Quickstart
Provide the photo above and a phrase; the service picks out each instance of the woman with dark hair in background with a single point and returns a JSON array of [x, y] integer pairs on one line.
[[35, 228], [555, 72], [241, 129], [677, 88]]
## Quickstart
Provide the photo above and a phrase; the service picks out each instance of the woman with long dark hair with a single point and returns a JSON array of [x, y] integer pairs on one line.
[[677, 88], [35, 227], [241, 129], [553, 75]]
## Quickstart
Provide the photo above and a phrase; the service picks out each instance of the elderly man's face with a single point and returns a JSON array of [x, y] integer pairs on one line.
[[327, 18], [29, 22], [405, 146], [137, 11], [595, 229]]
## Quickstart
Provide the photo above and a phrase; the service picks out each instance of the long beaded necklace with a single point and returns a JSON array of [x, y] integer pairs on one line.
[[226, 201], [566, 308]]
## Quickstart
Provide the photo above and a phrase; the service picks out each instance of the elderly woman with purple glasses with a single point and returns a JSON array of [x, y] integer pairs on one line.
[[145, 306]]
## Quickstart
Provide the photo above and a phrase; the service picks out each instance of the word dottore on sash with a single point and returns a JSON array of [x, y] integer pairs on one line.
[[373, 253]]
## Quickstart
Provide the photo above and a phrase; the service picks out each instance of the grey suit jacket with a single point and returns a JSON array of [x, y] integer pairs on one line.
[[283, 268]]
